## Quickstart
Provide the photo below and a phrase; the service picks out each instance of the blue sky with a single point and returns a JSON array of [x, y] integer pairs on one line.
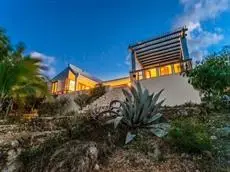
[[94, 34]]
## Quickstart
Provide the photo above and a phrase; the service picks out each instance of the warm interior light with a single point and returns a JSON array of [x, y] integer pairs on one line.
[[84, 83], [177, 68], [117, 82], [54, 87], [71, 85], [166, 70]]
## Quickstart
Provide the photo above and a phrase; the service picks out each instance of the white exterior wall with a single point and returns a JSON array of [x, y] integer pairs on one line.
[[177, 90]]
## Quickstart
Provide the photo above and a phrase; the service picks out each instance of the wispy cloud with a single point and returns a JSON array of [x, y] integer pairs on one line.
[[47, 61], [128, 60], [195, 13]]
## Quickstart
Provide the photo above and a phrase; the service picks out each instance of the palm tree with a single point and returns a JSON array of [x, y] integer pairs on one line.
[[5, 46], [20, 76], [20, 80]]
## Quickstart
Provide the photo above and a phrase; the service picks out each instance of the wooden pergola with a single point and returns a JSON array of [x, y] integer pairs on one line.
[[167, 49]]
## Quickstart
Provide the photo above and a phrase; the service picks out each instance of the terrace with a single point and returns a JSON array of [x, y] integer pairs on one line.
[[160, 56]]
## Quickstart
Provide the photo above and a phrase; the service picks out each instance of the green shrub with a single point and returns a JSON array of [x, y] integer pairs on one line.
[[212, 76], [189, 135]]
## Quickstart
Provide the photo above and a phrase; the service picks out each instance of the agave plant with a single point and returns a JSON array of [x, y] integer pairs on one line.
[[140, 110]]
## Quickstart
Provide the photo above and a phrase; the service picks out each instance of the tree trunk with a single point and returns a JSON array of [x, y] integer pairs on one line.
[[9, 108]]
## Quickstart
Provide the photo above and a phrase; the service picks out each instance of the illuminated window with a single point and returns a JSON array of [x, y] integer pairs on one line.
[[153, 72], [147, 74], [71, 85], [82, 86], [166, 70], [140, 75], [177, 68], [54, 87], [87, 87]]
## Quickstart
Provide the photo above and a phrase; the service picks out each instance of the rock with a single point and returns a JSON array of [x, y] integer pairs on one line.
[[184, 155], [97, 168], [213, 137], [15, 166], [104, 101], [75, 155], [14, 143], [12, 164], [157, 154], [224, 132], [208, 154], [12, 154]]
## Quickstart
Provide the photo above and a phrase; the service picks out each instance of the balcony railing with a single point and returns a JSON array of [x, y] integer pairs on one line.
[[161, 70]]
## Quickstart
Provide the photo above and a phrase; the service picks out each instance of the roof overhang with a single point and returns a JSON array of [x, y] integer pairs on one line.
[[164, 49]]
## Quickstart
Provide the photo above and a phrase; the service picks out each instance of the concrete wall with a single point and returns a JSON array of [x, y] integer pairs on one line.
[[177, 90]]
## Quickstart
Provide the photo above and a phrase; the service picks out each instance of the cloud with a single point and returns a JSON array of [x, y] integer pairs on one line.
[[128, 60], [195, 13], [47, 61]]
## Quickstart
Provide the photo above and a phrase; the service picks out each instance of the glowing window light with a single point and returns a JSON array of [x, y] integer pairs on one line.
[[166, 70], [177, 68]]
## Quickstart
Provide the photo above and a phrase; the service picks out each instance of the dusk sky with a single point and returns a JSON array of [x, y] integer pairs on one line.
[[95, 34]]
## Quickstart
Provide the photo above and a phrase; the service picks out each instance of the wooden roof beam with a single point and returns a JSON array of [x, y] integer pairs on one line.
[[158, 45], [159, 60], [158, 42], [180, 30], [150, 56], [166, 57], [162, 49], [162, 63]]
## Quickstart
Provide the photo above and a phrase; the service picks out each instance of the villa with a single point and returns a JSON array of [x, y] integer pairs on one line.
[[157, 63]]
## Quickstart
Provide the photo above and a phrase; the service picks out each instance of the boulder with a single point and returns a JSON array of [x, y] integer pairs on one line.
[[73, 156]]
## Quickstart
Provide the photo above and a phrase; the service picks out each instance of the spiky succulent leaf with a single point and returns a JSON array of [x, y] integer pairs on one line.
[[141, 106], [129, 137], [156, 108], [153, 118], [140, 110], [160, 130], [116, 121], [127, 95], [146, 109], [156, 97]]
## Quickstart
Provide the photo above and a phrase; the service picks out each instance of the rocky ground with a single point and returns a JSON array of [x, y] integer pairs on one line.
[[130, 161], [48, 144], [104, 101]]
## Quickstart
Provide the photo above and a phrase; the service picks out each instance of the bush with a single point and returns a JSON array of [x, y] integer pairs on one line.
[[189, 135], [212, 76]]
